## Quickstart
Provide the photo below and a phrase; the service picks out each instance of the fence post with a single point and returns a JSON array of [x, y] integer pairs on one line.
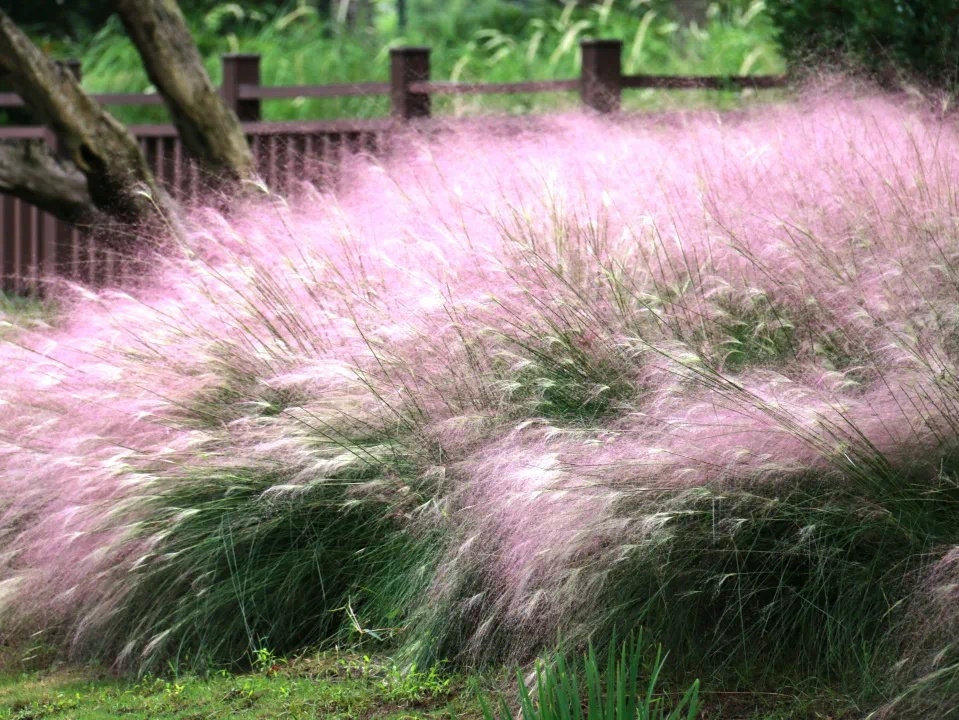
[[241, 69], [602, 74], [56, 251], [409, 65]]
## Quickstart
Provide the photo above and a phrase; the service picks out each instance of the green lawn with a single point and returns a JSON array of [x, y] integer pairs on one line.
[[329, 685]]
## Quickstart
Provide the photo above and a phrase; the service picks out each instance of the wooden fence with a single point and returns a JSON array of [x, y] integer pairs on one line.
[[34, 244]]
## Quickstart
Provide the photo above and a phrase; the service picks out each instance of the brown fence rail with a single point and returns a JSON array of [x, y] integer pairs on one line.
[[34, 244]]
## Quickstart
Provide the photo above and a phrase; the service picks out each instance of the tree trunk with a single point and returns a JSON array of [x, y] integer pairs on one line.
[[119, 181], [207, 127], [692, 11], [30, 171], [356, 14]]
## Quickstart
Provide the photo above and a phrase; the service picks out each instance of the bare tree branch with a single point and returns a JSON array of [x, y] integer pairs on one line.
[[208, 128], [118, 178], [30, 171]]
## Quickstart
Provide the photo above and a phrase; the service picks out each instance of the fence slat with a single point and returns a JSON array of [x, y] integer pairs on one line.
[[34, 249], [179, 189], [8, 240], [20, 220], [159, 162]]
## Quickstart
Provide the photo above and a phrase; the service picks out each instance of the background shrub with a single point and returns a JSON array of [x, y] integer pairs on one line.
[[917, 37]]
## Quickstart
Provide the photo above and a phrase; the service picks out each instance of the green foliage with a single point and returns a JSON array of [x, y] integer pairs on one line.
[[239, 574], [561, 381], [753, 330], [265, 660], [17, 313], [451, 20], [76, 18], [810, 574], [621, 688], [414, 685], [334, 685], [492, 41], [914, 36]]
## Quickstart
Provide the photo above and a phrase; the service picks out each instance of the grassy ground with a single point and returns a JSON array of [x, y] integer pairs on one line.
[[367, 685], [351, 684], [330, 685]]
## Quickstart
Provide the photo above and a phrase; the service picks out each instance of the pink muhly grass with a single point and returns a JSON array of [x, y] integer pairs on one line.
[[568, 337]]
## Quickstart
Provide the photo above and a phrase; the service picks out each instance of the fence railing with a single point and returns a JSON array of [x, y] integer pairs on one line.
[[34, 244]]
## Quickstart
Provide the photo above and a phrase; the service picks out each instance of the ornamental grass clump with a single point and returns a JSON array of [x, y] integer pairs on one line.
[[621, 686], [535, 381]]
